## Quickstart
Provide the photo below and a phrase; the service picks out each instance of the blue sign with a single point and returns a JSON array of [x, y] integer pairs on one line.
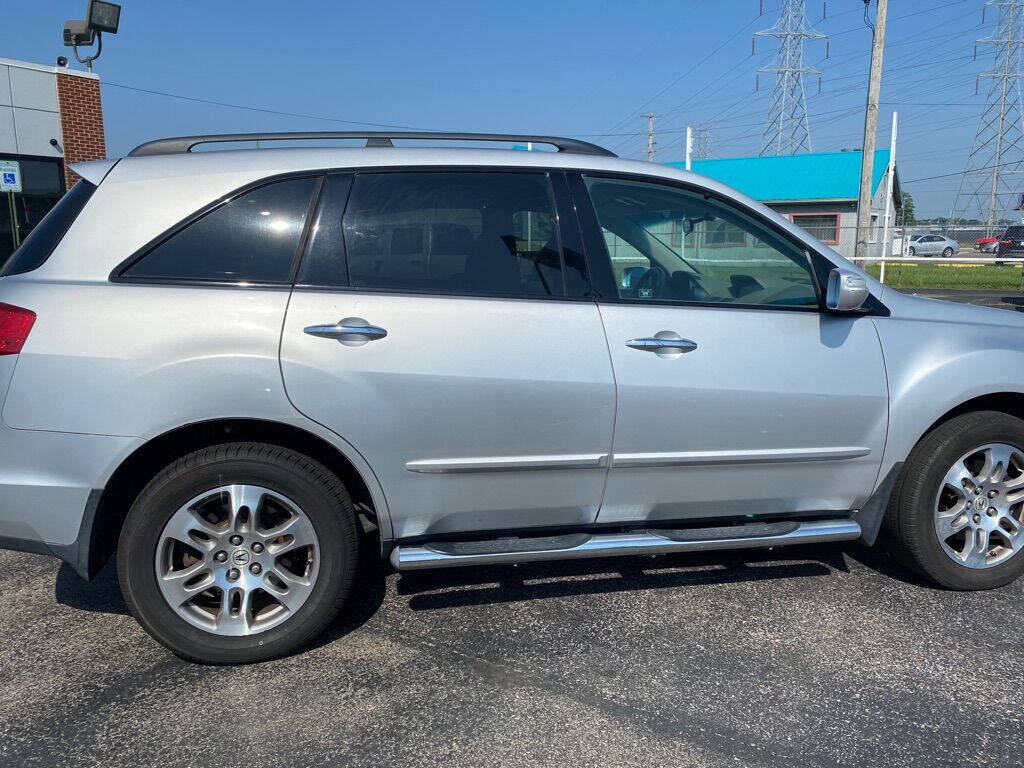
[[9, 178]]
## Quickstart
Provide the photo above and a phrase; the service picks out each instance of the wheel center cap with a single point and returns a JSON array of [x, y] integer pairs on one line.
[[240, 557], [980, 502]]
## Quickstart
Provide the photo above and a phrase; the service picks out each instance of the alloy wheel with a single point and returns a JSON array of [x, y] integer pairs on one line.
[[237, 560], [979, 506]]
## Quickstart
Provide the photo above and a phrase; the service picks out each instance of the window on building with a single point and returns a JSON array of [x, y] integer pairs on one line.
[[253, 238], [824, 226], [723, 233], [42, 185]]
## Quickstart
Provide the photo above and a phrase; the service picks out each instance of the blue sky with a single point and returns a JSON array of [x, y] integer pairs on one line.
[[577, 67]]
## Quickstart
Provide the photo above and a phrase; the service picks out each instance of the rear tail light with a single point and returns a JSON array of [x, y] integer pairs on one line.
[[15, 323]]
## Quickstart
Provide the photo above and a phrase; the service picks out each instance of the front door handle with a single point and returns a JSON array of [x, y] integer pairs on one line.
[[350, 331], [666, 344]]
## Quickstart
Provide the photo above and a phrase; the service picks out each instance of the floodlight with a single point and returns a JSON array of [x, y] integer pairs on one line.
[[103, 16], [77, 32]]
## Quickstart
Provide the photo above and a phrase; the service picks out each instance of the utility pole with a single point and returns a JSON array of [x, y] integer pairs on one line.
[[689, 148], [870, 125], [650, 137]]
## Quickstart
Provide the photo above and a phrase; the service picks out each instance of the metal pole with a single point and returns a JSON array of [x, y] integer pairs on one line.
[[870, 125], [15, 229], [689, 148], [650, 137], [891, 172]]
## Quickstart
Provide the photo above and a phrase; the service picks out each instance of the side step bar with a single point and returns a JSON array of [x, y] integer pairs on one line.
[[650, 542]]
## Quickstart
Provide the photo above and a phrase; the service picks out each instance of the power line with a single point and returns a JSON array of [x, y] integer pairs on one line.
[[267, 111]]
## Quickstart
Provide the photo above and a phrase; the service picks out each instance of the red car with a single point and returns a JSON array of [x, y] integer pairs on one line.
[[1011, 240]]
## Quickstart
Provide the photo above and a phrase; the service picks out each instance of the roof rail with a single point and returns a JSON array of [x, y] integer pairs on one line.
[[183, 144]]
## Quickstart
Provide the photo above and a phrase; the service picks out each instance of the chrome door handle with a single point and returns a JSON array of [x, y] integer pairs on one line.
[[667, 344], [351, 331]]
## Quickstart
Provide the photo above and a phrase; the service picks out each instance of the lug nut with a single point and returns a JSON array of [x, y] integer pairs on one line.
[[236, 539], [993, 494], [976, 490], [256, 569], [221, 556], [977, 519], [257, 547], [233, 574], [992, 512]]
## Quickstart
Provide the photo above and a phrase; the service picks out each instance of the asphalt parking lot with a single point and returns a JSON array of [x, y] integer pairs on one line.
[[828, 656], [794, 657]]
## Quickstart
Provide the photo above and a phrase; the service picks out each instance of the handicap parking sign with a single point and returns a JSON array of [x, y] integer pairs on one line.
[[10, 176]]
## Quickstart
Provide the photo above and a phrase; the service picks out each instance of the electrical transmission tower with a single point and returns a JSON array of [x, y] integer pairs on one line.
[[702, 137], [992, 181], [787, 132]]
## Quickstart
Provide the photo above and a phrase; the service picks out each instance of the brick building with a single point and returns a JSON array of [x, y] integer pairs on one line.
[[50, 117]]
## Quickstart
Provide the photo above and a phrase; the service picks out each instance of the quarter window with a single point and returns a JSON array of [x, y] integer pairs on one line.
[[252, 238], [723, 256], [447, 232]]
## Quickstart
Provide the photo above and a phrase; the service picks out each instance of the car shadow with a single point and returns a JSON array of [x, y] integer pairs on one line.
[[483, 585], [101, 595], [461, 587]]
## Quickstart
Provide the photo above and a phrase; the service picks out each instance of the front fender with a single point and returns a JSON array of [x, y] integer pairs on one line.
[[935, 366]]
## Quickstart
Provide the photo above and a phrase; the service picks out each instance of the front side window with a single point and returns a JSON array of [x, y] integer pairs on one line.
[[723, 255], [453, 232], [252, 238]]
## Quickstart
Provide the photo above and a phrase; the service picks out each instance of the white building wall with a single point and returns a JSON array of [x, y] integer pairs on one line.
[[29, 116]]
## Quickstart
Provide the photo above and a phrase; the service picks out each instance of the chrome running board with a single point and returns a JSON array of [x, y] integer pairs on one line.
[[647, 542]]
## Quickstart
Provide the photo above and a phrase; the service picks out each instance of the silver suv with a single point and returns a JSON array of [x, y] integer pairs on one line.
[[237, 368]]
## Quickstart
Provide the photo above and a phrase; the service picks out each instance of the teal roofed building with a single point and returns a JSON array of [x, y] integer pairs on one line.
[[818, 191]]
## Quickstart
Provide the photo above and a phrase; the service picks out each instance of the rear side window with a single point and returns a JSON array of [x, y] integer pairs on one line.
[[252, 238], [38, 246], [443, 232]]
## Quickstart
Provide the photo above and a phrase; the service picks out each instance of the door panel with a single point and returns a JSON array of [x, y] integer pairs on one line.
[[772, 412], [473, 413], [447, 353], [735, 394]]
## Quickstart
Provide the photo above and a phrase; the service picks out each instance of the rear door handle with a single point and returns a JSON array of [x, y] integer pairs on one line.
[[350, 331], [668, 344]]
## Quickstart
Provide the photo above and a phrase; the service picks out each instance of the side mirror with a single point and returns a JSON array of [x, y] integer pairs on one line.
[[847, 291]]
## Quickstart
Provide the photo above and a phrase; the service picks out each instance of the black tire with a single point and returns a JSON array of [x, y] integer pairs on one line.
[[947, 253], [909, 521], [319, 494], [912, 251]]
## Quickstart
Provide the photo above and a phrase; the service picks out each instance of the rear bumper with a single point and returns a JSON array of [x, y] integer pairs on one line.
[[49, 489], [75, 554]]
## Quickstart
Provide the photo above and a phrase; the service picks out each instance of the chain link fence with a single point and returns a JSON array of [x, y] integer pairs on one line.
[[930, 257]]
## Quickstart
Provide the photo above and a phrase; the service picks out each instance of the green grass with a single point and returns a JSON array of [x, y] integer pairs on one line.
[[951, 276]]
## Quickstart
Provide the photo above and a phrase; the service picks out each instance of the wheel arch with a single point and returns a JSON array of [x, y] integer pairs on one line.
[[139, 467], [1011, 403]]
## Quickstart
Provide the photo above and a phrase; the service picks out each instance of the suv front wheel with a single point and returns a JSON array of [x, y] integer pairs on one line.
[[238, 553], [957, 512]]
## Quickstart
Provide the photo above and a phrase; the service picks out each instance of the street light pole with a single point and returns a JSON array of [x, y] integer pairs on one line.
[[870, 126]]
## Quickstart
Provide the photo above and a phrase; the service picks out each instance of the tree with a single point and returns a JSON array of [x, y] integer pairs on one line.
[[909, 219]]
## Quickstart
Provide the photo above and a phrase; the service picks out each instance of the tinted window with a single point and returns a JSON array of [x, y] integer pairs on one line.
[[252, 238], [722, 256], [479, 233], [38, 246]]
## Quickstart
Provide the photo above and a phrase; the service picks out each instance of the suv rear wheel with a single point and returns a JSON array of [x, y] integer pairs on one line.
[[238, 553], [957, 512]]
